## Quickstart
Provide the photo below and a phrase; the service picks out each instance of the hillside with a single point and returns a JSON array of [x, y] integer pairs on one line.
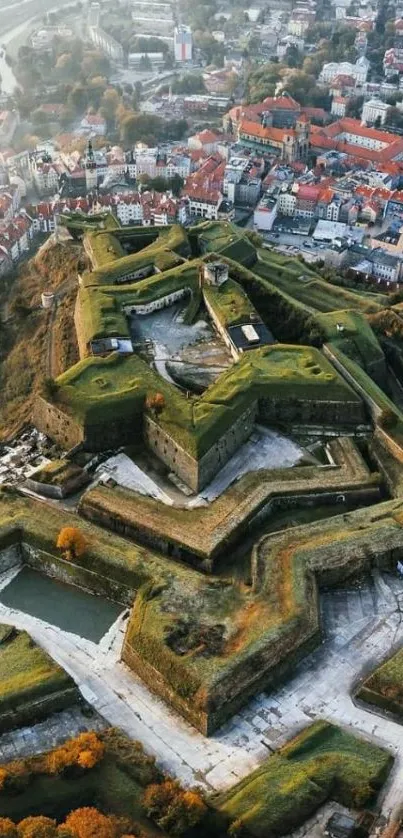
[[36, 343]]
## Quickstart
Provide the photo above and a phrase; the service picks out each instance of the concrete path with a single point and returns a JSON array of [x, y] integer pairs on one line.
[[56, 729], [361, 625]]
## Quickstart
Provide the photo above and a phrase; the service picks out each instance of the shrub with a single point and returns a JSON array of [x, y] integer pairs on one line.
[[7, 828], [83, 752], [88, 822], [156, 403], [3, 778], [72, 541], [37, 827], [174, 809], [131, 757], [388, 418], [49, 387], [87, 759]]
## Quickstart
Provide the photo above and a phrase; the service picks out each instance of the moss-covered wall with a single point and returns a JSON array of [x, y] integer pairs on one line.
[[73, 574]]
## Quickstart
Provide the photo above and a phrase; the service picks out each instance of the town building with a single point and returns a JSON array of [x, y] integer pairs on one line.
[[358, 142], [183, 43], [374, 110], [106, 43]]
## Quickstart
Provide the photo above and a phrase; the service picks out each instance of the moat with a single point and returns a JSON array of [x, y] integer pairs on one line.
[[67, 607]]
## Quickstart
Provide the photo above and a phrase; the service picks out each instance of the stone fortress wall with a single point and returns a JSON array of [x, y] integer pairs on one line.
[[56, 423], [196, 473]]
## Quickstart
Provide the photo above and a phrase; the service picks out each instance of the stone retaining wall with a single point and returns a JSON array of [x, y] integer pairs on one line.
[[56, 423], [74, 574]]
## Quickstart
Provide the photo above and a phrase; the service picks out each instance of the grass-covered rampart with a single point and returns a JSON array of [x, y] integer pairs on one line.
[[321, 763], [31, 683]]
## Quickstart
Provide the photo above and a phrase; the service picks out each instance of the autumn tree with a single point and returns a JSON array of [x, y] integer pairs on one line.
[[37, 827], [155, 402], [72, 541], [85, 751], [174, 809], [7, 828], [88, 822]]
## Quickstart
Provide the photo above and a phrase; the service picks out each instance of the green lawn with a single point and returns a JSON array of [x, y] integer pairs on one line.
[[321, 763], [230, 303], [111, 262], [225, 238], [357, 340]]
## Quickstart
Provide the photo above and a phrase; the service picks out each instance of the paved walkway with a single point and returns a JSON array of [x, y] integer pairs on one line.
[[56, 729], [361, 626]]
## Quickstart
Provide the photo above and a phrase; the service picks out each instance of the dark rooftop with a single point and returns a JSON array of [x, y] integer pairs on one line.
[[240, 339]]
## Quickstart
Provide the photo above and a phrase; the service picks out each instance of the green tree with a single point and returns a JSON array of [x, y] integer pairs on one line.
[[78, 99]]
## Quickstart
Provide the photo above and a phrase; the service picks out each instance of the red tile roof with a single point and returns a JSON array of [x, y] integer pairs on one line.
[[325, 138], [275, 134]]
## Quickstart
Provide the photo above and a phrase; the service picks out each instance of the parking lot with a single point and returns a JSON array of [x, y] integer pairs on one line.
[[294, 243]]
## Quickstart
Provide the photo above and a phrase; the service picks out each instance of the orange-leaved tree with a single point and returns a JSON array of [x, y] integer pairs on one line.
[[87, 759], [85, 751], [88, 822], [37, 827], [7, 828], [3, 778], [155, 402], [72, 541]]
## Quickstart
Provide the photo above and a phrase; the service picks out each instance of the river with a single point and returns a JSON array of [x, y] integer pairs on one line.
[[22, 13]]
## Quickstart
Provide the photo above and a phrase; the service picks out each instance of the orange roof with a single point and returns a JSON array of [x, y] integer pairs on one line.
[[326, 138], [326, 196], [280, 103], [257, 130], [207, 136]]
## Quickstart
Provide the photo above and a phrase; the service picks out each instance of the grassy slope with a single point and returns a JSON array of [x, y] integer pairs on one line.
[[110, 261], [384, 687], [24, 340], [314, 292], [322, 762], [27, 672]]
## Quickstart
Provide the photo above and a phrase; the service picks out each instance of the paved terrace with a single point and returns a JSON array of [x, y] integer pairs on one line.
[[361, 626]]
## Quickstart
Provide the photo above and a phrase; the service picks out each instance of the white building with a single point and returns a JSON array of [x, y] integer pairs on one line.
[[373, 109], [203, 203], [286, 203], [106, 43], [358, 71], [339, 105], [136, 59], [265, 214], [183, 43], [45, 177], [129, 212]]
